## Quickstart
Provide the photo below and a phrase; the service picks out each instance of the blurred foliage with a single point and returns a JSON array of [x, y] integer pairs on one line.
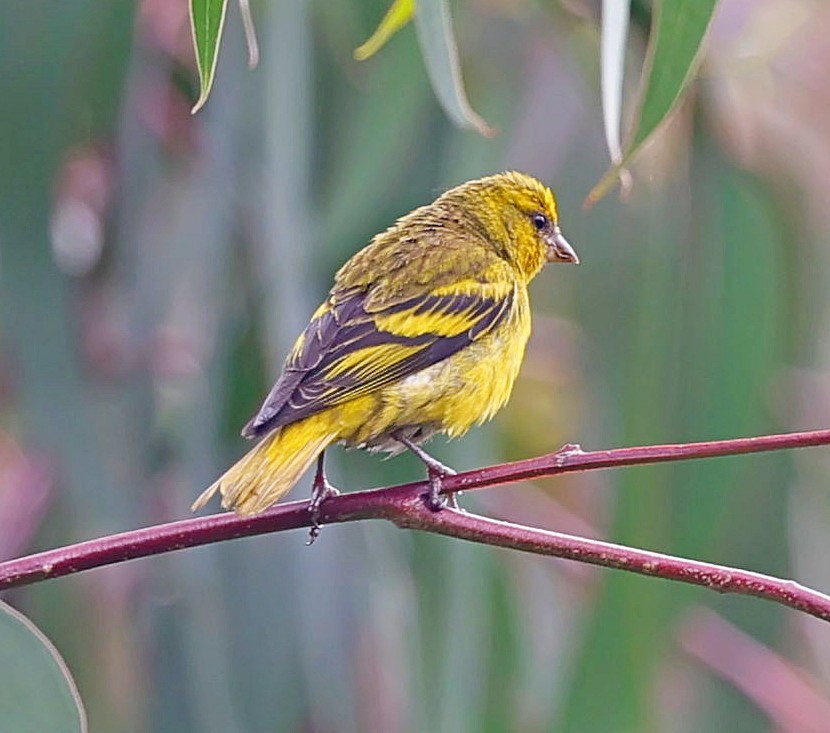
[[154, 267]]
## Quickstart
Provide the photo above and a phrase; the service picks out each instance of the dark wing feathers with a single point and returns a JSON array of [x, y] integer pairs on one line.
[[346, 351]]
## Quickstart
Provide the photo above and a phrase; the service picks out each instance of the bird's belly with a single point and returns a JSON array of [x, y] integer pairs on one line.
[[451, 396]]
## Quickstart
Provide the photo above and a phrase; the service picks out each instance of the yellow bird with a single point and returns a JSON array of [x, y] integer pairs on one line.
[[423, 332]]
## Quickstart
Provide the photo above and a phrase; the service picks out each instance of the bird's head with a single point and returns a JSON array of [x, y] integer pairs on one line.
[[518, 214]]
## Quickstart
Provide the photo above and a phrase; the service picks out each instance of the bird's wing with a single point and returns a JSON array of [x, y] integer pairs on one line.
[[355, 344]]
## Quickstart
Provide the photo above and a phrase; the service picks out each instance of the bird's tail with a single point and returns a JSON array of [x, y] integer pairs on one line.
[[269, 471]]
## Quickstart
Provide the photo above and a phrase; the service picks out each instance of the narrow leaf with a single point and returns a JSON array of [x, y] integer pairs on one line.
[[398, 15], [37, 693], [673, 56], [250, 33], [434, 27], [207, 19], [612, 61]]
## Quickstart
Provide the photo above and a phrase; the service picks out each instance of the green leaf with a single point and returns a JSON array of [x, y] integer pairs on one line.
[[673, 56], [37, 692], [434, 28], [207, 19], [398, 15]]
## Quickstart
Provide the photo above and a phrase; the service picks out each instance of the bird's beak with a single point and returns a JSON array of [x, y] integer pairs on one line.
[[559, 250]]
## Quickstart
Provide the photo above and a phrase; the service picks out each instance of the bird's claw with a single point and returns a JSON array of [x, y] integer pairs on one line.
[[436, 471], [435, 501], [320, 491]]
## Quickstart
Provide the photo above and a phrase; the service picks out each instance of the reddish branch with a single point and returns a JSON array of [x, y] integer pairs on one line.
[[405, 506]]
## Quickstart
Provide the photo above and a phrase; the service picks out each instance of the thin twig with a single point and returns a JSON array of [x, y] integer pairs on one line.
[[405, 506], [720, 578]]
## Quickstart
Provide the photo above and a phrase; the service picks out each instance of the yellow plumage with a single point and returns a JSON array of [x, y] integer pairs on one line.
[[423, 332]]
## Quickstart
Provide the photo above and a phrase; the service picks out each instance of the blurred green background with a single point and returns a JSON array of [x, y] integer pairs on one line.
[[155, 267]]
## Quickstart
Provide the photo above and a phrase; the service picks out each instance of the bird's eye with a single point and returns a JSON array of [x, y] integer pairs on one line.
[[540, 221]]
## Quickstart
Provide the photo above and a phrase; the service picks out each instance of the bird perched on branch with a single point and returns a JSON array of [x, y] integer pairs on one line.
[[423, 332]]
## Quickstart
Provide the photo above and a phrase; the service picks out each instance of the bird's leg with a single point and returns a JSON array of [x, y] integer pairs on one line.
[[436, 471], [321, 490]]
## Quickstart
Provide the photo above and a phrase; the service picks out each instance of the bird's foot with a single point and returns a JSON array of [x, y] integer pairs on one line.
[[566, 451], [437, 472], [321, 490]]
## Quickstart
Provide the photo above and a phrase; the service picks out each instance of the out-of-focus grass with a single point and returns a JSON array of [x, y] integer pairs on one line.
[[221, 236]]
